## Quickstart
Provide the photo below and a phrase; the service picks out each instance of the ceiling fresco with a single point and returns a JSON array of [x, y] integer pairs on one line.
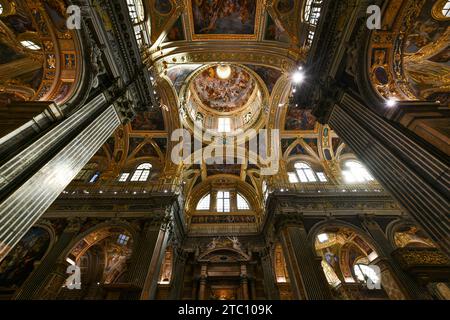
[[224, 17], [149, 120], [224, 95], [299, 119]]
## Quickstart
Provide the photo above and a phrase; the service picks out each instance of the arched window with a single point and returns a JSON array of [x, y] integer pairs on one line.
[[204, 203], [446, 10], [242, 203], [142, 172], [304, 173], [223, 201], [137, 16], [355, 172]]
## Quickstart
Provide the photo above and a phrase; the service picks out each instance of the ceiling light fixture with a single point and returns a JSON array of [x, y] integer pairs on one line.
[[392, 102], [223, 71], [298, 77]]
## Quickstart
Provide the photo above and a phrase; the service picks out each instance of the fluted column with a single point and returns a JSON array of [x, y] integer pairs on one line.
[[269, 275], [53, 169], [407, 285], [21, 121], [416, 178], [305, 271], [146, 258], [47, 279]]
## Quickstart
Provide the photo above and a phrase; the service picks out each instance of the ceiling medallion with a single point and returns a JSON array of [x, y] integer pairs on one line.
[[223, 71]]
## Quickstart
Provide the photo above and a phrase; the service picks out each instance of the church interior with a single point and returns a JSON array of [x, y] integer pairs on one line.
[[224, 150]]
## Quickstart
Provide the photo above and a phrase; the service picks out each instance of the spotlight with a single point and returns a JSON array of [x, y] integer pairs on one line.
[[298, 77], [392, 102]]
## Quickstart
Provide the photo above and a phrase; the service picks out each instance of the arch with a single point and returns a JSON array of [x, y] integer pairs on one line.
[[403, 233], [55, 61], [318, 228], [404, 68], [142, 172], [103, 225]]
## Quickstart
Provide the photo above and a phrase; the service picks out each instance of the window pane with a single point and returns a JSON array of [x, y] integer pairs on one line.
[[203, 204], [94, 177], [223, 201], [136, 175], [293, 177], [301, 175], [310, 174], [224, 125], [30, 45], [123, 177], [322, 177], [242, 203]]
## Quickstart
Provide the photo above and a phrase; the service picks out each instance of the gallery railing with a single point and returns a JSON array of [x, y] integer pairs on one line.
[[119, 190], [325, 187]]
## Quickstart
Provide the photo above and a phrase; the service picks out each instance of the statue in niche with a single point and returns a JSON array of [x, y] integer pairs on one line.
[[247, 117], [236, 243], [212, 245]]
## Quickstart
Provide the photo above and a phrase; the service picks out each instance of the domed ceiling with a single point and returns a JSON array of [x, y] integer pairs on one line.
[[224, 95]]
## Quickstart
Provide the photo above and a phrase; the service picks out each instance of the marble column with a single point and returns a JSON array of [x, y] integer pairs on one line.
[[305, 272], [202, 286], [47, 279], [244, 282], [269, 275], [416, 178], [147, 257], [50, 170], [21, 122], [407, 285], [177, 274]]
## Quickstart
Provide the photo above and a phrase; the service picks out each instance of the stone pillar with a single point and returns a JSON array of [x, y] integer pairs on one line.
[[202, 286], [146, 258], [177, 274], [244, 282], [21, 121], [46, 281], [269, 275], [393, 274], [305, 272], [416, 178], [89, 129]]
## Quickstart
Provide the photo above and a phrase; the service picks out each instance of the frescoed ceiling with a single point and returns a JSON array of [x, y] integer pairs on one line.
[[259, 41]]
